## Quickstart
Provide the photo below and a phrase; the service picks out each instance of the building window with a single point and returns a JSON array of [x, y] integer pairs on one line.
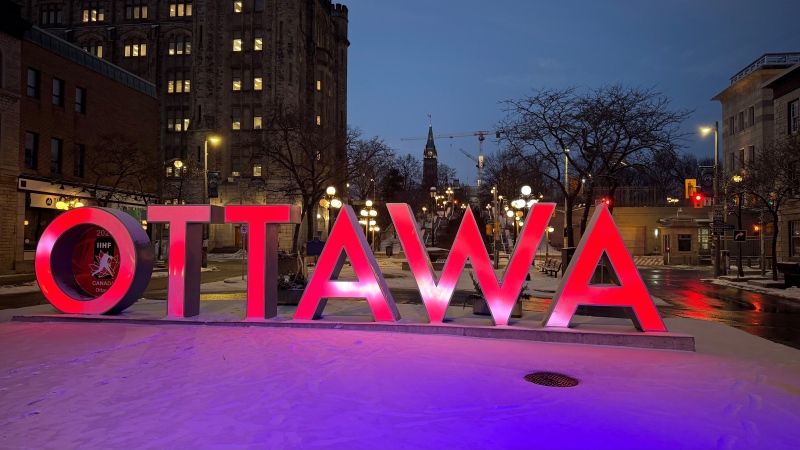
[[31, 149], [751, 116], [319, 120], [237, 6], [319, 85], [50, 14], [95, 48], [731, 126], [258, 5], [180, 9], [78, 157], [256, 122], [794, 237], [794, 113], [55, 155], [180, 45], [236, 123], [684, 242], [237, 84], [751, 154], [58, 92], [33, 83], [93, 12], [136, 9], [80, 100], [741, 121], [256, 170], [258, 43], [177, 84], [258, 83], [135, 48], [1, 69], [741, 159], [237, 45]]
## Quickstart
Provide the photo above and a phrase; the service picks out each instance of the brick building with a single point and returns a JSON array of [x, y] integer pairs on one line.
[[219, 67], [67, 101]]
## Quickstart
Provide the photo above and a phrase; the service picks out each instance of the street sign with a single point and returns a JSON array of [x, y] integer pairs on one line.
[[740, 235], [719, 213]]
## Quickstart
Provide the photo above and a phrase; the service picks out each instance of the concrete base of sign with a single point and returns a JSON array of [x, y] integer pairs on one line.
[[355, 315]]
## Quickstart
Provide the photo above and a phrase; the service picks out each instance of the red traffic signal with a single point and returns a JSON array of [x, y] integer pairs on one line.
[[698, 200], [607, 201]]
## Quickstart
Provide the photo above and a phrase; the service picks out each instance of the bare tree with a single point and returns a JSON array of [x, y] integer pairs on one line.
[[116, 163], [369, 160], [771, 183], [598, 134]]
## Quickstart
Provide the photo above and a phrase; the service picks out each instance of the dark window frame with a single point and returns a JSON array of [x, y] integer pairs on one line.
[[80, 100], [31, 150], [684, 242], [56, 155], [35, 84], [59, 87], [793, 121]]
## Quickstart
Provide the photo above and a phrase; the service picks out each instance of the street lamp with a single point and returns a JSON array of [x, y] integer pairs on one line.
[[433, 216], [717, 241], [566, 194], [213, 140], [547, 244], [330, 201]]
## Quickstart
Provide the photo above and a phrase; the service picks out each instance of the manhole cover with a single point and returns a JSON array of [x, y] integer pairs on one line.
[[551, 379]]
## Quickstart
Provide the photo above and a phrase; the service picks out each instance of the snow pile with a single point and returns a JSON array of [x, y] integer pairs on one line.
[[160, 386]]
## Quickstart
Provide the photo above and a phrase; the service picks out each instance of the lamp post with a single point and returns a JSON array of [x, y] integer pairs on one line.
[[738, 179], [213, 140], [717, 242], [433, 216], [330, 201], [495, 230], [547, 244], [566, 194]]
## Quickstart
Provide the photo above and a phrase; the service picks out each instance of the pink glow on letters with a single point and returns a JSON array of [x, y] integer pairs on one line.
[[262, 247], [601, 236], [348, 236], [500, 296], [54, 258], [185, 253]]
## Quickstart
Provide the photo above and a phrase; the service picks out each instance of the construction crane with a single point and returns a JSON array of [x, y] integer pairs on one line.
[[481, 137]]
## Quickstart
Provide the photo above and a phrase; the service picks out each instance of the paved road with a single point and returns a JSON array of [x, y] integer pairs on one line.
[[770, 317], [767, 316]]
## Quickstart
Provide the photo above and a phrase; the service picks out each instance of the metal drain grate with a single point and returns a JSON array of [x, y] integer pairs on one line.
[[551, 379]]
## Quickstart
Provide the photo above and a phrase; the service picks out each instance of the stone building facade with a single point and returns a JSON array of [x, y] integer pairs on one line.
[[786, 104], [747, 110], [220, 67], [66, 100]]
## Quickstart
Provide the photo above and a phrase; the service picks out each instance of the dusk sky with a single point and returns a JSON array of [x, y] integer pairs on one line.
[[456, 60]]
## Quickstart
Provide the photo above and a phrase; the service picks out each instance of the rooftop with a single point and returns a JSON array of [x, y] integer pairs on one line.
[[768, 61]]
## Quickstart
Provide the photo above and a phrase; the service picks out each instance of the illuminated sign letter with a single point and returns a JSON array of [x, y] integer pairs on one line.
[[54, 263], [602, 236], [347, 236], [262, 253], [500, 296], [185, 252]]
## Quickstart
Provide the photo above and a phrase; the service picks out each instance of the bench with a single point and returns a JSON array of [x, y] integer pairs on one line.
[[551, 267]]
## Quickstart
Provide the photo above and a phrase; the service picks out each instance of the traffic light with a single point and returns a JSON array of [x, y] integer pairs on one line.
[[607, 201], [698, 200], [756, 230], [736, 199], [772, 197]]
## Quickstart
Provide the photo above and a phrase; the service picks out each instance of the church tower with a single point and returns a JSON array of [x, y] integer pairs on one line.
[[430, 169]]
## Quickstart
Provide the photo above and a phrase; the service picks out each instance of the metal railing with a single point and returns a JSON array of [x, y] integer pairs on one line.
[[768, 59]]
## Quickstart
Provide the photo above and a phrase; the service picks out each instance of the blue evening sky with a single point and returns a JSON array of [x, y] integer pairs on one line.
[[456, 60]]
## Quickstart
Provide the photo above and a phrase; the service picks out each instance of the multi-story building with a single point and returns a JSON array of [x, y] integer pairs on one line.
[[786, 105], [69, 106], [220, 67], [747, 109]]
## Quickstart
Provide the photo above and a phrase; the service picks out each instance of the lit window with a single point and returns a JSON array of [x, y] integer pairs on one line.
[[236, 123], [136, 9], [237, 45], [258, 44], [257, 83], [257, 123], [319, 85], [170, 86], [237, 84], [186, 85], [237, 6], [92, 12], [180, 9], [135, 49], [95, 48], [256, 170], [185, 124], [319, 120]]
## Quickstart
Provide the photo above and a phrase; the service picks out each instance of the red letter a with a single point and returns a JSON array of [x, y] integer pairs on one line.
[[602, 236]]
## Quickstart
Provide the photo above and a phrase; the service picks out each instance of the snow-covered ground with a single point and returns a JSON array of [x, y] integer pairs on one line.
[[128, 386]]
